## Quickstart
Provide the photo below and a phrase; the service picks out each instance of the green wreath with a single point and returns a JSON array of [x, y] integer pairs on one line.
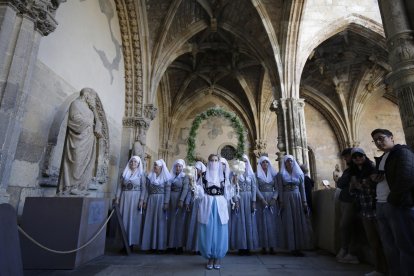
[[215, 112]]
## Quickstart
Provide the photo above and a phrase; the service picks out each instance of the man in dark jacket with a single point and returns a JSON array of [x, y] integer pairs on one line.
[[395, 202], [348, 213]]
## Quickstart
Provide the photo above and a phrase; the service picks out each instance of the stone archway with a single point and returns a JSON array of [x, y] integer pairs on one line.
[[215, 112]]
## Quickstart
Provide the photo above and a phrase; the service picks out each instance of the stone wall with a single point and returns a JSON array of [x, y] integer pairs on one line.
[[324, 144], [84, 51]]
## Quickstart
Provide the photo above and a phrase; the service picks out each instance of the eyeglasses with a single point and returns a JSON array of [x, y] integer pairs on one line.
[[355, 156], [379, 139]]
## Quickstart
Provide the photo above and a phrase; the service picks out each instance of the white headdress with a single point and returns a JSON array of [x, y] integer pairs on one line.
[[200, 166], [249, 170], [173, 169], [296, 171], [271, 172], [163, 176], [227, 170], [127, 174]]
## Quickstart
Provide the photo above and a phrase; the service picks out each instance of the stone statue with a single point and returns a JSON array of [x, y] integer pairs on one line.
[[79, 152], [336, 174]]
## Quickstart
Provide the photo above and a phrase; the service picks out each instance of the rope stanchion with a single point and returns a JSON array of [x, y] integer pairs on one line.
[[66, 251]]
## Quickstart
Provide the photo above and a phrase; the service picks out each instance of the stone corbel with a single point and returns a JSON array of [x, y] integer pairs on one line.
[[260, 148], [150, 111]]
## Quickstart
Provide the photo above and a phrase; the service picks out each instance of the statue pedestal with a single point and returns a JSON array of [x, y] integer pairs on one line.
[[62, 223]]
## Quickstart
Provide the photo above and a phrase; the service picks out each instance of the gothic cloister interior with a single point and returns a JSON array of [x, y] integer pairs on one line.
[[305, 77]]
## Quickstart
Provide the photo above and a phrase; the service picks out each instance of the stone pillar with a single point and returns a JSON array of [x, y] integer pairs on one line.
[[291, 127], [138, 127], [22, 24], [400, 44]]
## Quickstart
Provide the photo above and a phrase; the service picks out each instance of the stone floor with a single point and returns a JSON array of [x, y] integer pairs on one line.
[[314, 263]]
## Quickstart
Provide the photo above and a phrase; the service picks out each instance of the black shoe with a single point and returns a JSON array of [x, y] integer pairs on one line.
[[264, 251], [179, 251], [271, 251], [297, 253], [240, 252], [247, 252], [161, 252], [151, 251]]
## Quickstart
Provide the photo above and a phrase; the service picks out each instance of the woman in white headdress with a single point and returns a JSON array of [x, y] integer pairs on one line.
[[213, 214], [192, 204], [130, 196], [268, 222], [179, 189], [244, 236], [296, 230], [154, 236], [229, 193]]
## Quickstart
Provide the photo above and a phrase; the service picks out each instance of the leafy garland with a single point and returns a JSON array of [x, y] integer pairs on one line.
[[215, 112]]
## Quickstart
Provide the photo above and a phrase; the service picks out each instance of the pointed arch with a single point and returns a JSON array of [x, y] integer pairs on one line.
[[361, 25], [329, 111]]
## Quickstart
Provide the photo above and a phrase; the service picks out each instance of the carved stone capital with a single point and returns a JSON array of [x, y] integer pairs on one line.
[[400, 78], [401, 49], [42, 12]]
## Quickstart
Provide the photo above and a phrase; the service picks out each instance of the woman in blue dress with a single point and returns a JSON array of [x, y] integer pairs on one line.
[[192, 204], [244, 235], [213, 214], [130, 196], [154, 236], [268, 221], [296, 229], [177, 214]]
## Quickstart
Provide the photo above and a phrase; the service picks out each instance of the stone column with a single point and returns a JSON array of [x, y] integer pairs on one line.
[[400, 44], [291, 128], [22, 24]]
